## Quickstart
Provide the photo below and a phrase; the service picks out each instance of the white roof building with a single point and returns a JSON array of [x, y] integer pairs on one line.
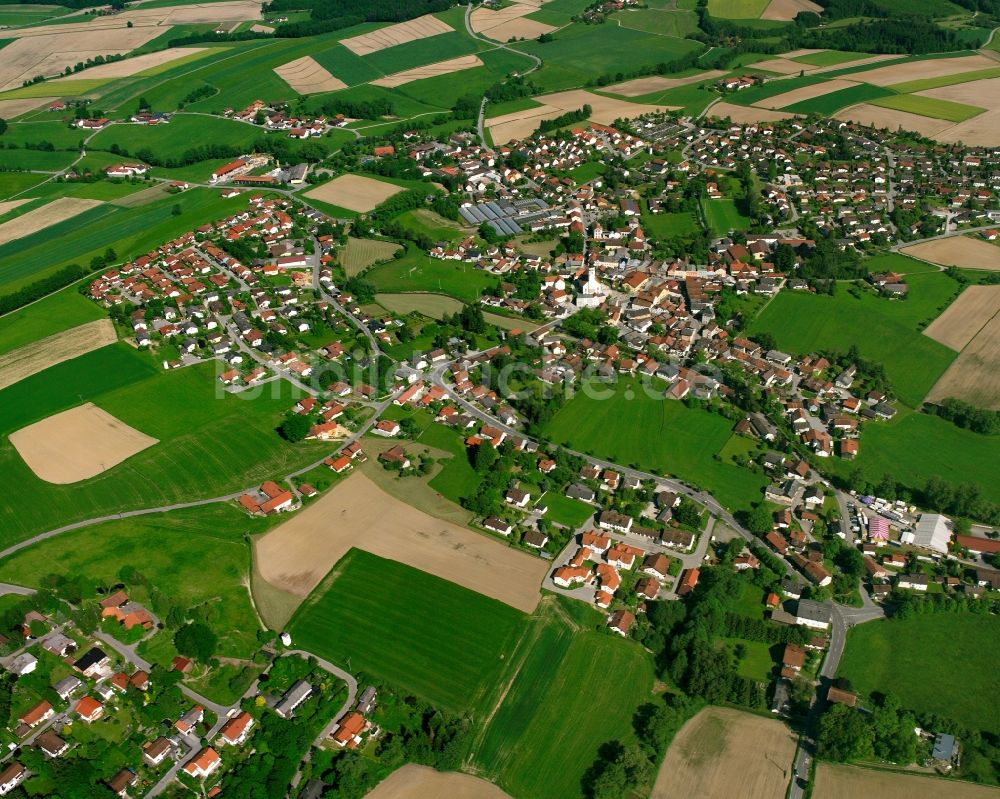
[[932, 531]]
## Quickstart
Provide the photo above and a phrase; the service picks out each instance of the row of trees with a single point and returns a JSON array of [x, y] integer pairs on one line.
[[967, 415]]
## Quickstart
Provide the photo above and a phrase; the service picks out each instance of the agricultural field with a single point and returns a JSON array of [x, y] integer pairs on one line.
[[354, 192], [975, 374], [737, 9], [543, 718], [173, 140], [965, 252], [827, 58], [44, 217], [723, 752], [412, 782], [225, 443], [933, 107], [199, 556], [933, 663], [626, 424], [39, 355], [54, 314], [359, 254], [416, 271], [804, 323], [443, 642], [723, 216], [965, 317], [834, 781], [666, 23], [829, 104]]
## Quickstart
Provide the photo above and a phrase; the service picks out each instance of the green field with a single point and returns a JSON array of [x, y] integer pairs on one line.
[[574, 691], [56, 88], [457, 478], [209, 445], [416, 271], [29, 14], [420, 52], [423, 634], [40, 160], [191, 556], [665, 23], [924, 84], [829, 104], [883, 330], [644, 430], [14, 183], [668, 226], [737, 9], [570, 513], [54, 314], [827, 58], [723, 216], [183, 133], [773, 88], [930, 107], [342, 63], [933, 663], [423, 220]]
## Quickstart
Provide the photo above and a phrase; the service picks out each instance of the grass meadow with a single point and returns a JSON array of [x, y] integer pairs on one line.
[[208, 445], [417, 271], [722, 216], [934, 663], [55, 313], [568, 512], [420, 52], [183, 133], [423, 634], [667, 225], [640, 429]]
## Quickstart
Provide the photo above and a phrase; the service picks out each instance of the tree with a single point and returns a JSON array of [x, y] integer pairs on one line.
[[176, 210], [483, 458], [3, 126], [295, 427], [196, 640], [845, 735], [688, 513], [758, 520]]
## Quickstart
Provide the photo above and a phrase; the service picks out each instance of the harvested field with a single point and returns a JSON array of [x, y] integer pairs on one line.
[[656, 83], [133, 66], [77, 444], [359, 254], [805, 93], [354, 192], [786, 10], [429, 71], [390, 36], [142, 197], [929, 68], [974, 376], [743, 114], [782, 66], [850, 782], [49, 214], [964, 252], [722, 753], [509, 23], [977, 92], [890, 119], [980, 131], [861, 62], [965, 317], [261, 29], [422, 782], [14, 108], [296, 556], [9, 205], [40, 355], [307, 77], [192, 14]]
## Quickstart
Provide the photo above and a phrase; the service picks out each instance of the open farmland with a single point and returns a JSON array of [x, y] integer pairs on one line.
[[393, 35], [806, 93], [307, 77], [542, 734], [54, 314], [657, 83], [975, 374], [509, 22], [889, 119], [829, 104], [927, 68], [834, 781], [429, 71], [173, 140], [14, 108], [742, 115], [932, 663], [359, 254], [357, 513], [152, 62], [722, 753], [629, 424], [787, 10], [443, 642], [965, 317], [929, 107], [354, 192], [39, 355], [48, 215], [965, 252], [77, 444], [422, 782], [737, 9]]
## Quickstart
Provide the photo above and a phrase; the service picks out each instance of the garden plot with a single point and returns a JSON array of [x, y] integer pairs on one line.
[[657, 83], [805, 93], [786, 10], [742, 115], [421, 782], [354, 192], [77, 444], [308, 77], [429, 71], [965, 317], [296, 556], [133, 66], [49, 214], [890, 119], [384, 38], [40, 355], [509, 22]]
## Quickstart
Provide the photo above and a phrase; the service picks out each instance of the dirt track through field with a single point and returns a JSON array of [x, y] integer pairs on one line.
[[723, 753], [296, 556], [422, 782], [964, 252], [354, 192], [657, 83], [306, 76], [38, 356], [890, 119], [965, 317], [851, 782], [47, 215], [786, 10], [429, 71], [383, 38], [742, 115], [974, 376], [76, 444]]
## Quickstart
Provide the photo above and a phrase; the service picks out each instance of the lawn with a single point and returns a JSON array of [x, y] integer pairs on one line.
[[563, 510], [723, 216], [828, 104], [457, 478], [209, 444], [737, 9], [628, 425], [930, 107], [934, 663], [574, 691], [190, 556], [54, 314], [417, 271], [668, 226], [423, 634], [827, 58], [883, 330]]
